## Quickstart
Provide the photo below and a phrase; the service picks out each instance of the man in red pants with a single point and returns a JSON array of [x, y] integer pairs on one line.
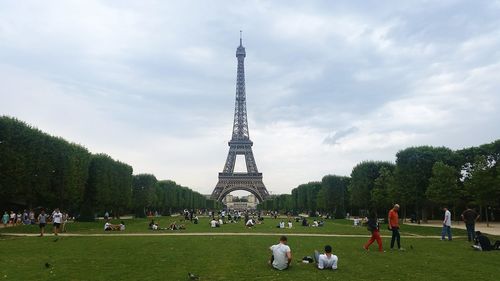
[[373, 227]]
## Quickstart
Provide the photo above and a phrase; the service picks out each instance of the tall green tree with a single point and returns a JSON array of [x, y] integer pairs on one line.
[[363, 177], [482, 183], [414, 170], [443, 187], [382, 194]]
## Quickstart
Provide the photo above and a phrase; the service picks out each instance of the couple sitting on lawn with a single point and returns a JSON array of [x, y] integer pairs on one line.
[[114, 227], [172, 226], [282, 256]]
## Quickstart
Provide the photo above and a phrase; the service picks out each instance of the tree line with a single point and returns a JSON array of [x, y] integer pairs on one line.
[[422, 180], [39, 170]]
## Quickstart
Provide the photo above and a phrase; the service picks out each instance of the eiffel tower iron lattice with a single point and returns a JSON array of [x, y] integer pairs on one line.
[[240, 144]]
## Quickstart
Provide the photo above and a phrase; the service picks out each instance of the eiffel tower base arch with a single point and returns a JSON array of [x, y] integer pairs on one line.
[[231, 182]]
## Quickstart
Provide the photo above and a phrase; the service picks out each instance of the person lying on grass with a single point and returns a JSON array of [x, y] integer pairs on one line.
[[155, 226], [326, 260], [174, 226], [282, 254]]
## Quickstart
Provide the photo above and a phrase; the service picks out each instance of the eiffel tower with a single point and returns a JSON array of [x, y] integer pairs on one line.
[[240, 144]]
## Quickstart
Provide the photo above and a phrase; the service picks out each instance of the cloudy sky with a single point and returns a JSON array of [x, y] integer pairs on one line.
[[329, 84]]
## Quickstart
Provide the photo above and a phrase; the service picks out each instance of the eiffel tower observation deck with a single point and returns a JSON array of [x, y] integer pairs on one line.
[[240, 144]]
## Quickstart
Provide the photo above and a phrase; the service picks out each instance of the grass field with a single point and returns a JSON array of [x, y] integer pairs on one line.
[[233, 257]]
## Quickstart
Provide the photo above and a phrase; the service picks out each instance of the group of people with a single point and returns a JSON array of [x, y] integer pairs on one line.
[[114, 227], [281, 256], [57, 218], [173, 226], [281, 224], [26, 217], [393, 225]]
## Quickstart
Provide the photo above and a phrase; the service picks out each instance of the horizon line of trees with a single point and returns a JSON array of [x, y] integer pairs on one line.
[[423, 180], [38, 170]]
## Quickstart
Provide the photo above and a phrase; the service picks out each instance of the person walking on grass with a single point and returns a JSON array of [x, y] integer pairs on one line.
[[470, 217], [326, 260], [42, 222], [394, 226], [374, 228], [282, 254], [56, 220], [446, 224]]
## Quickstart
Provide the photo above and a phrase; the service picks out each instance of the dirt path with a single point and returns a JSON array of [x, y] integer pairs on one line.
[[493, 229], [217, 234]]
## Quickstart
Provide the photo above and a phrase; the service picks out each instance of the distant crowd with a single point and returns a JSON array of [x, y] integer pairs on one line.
[[57, 218]]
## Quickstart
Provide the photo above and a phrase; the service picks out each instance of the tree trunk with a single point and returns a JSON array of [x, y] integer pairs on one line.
[[424, 215], [487, 220], [455, 214]]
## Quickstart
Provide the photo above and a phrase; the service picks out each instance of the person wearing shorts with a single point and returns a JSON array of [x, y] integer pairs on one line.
[[42, 222], [57, 220]]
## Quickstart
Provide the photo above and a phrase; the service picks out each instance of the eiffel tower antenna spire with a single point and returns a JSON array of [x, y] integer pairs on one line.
[[240, 144]]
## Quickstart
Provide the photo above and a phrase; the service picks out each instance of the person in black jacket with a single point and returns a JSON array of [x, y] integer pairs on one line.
[[482, 243], [373, 227]]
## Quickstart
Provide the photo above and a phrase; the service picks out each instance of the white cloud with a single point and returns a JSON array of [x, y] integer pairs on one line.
[[152, 83]]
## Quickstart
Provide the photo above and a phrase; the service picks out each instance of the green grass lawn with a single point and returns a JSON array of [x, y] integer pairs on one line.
[[235, 257]]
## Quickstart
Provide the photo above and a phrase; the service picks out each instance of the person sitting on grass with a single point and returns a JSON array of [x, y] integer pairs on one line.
[[214, 223], [195, 219], [482, 243], [282, 254], [304, 222], [315, 223], [326, 260], [153, 225], [112, 227], [173, 226], [289, 224], [250, 223]]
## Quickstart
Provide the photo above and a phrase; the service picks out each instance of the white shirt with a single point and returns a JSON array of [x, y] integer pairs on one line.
[[290, 224], [282, 224], [280, 255], [107, 225], [213, 223], [447, 218], [57, 217], [249, 222], [221, 222], [325, 262]]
